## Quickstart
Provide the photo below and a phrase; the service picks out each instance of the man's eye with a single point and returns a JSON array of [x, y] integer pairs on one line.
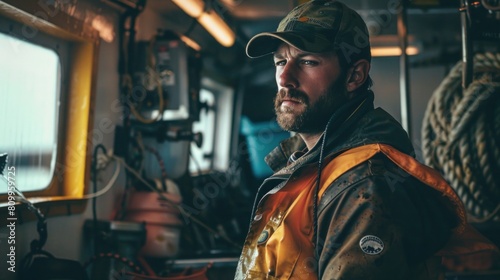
[[279, 63], [309, 62]]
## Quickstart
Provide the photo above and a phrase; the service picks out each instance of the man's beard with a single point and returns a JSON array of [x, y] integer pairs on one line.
[[313, 117]]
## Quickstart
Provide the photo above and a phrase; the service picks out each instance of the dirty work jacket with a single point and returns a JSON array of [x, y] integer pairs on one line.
[[381, 215]]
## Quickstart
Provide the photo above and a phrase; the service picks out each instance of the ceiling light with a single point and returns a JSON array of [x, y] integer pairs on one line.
[[393, 51], [210, 20], [388, 45], [194, 8], [188, 41]]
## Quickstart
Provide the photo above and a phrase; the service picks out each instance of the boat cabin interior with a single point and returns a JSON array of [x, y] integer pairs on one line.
[[134, 132]]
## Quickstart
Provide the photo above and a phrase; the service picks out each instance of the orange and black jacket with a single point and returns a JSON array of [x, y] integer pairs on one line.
[[380, 213]]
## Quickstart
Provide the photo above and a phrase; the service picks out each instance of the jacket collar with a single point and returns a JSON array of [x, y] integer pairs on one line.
[[356, 123]]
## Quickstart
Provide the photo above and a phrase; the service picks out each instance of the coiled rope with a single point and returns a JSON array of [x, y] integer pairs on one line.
[[461, 136]]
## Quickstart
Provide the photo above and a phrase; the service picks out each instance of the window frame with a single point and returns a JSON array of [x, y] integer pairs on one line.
[[60, 48], [195, 165], [70, 182], [224, 121]]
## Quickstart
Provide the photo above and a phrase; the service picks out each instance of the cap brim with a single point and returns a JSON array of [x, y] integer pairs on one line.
[[268, 42]]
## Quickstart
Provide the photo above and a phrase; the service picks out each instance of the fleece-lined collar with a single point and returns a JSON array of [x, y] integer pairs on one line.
[[356, 124]]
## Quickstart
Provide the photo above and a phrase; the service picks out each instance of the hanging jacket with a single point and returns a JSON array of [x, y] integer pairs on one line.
[[381, 214]]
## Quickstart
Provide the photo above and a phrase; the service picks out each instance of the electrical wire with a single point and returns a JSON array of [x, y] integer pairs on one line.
[[94, 185], [196, 163], [21, 198], [180, 207], [490, 6], [161, 163], [151, 75], [120, 161], [129, 86], [127, 82], [108, 186]]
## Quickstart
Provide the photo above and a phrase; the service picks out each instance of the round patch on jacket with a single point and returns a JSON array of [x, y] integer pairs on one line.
[[263, 237], [371, 245]]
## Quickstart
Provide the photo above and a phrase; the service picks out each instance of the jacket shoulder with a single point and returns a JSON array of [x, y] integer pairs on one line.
[[379, 165], [414, 207]]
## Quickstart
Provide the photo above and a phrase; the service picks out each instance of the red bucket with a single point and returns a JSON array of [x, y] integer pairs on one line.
[[163, 224]]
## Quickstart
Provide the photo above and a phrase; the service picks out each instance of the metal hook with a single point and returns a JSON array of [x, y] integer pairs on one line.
[[37, 244]]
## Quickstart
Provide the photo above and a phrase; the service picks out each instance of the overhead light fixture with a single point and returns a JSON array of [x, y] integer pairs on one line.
[[393, 51], [188, 41], [210, 20], [388, 45]]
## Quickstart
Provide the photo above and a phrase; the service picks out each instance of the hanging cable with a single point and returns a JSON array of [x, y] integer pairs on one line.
[[151, 81], [36, 245], [335, 122], [127, 64], [94, 185], [491, 6], [161, 163], [461, 136], [181, 209], [196, 163]]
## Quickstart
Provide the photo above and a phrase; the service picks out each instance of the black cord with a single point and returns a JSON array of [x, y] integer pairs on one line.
[[196, 163], [161, 163], [359, 107], [28, 260], [3, 162], [94, 183], [110, 255], [316, 189], [190, 27]]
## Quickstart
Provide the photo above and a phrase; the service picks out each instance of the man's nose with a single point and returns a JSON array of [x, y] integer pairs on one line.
[[287, 76]]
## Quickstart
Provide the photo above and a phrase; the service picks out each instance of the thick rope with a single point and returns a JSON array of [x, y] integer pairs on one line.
[[461, 136]]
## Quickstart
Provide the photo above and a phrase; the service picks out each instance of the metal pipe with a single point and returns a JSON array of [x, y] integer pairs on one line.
[[466, 45], [404, 78]]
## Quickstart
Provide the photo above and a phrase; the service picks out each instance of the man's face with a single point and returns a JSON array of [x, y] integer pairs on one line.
[[310, 88]]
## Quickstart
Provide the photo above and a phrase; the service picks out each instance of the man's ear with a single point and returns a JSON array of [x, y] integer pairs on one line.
[[357, 74]]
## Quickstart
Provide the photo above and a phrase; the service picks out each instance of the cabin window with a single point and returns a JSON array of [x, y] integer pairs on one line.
[[215, 125], [47, 83], [30, 79]]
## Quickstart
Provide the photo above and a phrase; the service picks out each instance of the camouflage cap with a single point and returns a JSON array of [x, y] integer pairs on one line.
[[318, 26]]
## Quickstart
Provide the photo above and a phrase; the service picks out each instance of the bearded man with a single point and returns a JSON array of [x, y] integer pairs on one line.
[[347, 199]]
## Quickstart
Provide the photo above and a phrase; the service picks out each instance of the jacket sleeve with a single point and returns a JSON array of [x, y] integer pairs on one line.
[[379, 224]]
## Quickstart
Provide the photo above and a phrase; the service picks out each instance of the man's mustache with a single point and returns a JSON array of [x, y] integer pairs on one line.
[[292, 94]]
